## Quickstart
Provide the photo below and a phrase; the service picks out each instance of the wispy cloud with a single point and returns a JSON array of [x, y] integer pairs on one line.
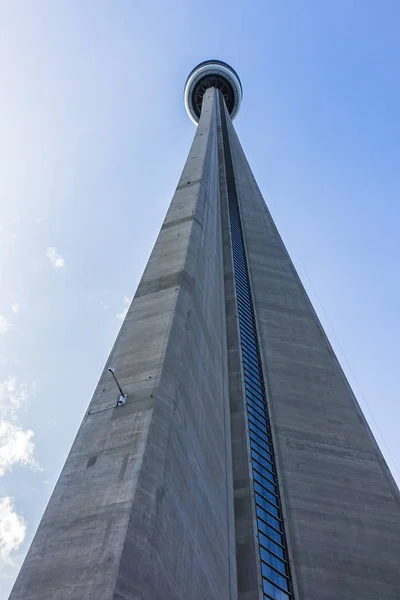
[[126, 301], [13, 396], [55, 258], [15, 307], [16, 447], [39, 219], [16, 443], [4, 324], [12, 529]]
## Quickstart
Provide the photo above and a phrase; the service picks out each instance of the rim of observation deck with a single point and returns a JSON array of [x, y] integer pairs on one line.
[[212, 73]]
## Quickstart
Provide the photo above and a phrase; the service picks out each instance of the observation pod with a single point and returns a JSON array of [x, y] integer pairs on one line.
[[212, 73]]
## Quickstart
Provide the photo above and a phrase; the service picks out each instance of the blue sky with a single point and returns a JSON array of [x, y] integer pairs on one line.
[[93, 139]]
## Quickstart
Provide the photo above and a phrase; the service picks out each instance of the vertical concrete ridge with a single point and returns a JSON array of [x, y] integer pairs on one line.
[[247, 563], [224, 337], [178, 536]]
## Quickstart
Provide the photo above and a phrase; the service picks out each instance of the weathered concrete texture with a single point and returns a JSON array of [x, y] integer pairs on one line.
[[143, 508], [341, 504]]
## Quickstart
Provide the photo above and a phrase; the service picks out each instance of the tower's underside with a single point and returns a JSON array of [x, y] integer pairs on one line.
[[177, 494]]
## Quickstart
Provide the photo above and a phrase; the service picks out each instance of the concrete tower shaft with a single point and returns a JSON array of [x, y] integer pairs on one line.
[[240, 466]]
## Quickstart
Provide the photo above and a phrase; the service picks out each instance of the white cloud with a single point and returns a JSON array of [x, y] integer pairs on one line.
[[13, 396], [56, 259], [122, 314], [16, 444], [15, 307], [16, 447], [4, 324], [12, 529], [39, 219]]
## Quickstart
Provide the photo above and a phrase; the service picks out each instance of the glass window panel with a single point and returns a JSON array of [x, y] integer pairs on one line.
[[240, 255], [268, 495], [265, 472], [247, 329], [268, 518], [257, 394], [256, 405], [254, 374], [244, 291], [255, 399], [244, 287], [266, 460], [253, 380], [245, 321], [254, 396], [243, 297], [252, 355], [271, 545], [243, 294], [258, 431], [273, 592], [267, 464], [249, 360], [242, 300], [249, 338], [240, 268], [255, 418], [242, 281], [245, 308], [277, 578], [255, 410], [255, 391], [273, 560], [270, 532], [248, 345], [245, 303], [246, 317], [264, 482], [253, 369], [235, 225], [252, 361], [261, 442], [255, 383], [270, 507], [267, 455]]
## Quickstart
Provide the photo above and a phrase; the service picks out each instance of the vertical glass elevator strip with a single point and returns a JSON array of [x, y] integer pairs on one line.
[[271, 536]]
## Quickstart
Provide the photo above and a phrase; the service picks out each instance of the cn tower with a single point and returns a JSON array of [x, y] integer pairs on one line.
[[223, 455]]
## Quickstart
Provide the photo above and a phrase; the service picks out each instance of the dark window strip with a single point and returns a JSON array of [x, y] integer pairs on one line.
[[274, 570]]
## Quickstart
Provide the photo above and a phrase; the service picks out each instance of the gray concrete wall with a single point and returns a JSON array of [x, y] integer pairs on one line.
[[341, 503], [142, 509]]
